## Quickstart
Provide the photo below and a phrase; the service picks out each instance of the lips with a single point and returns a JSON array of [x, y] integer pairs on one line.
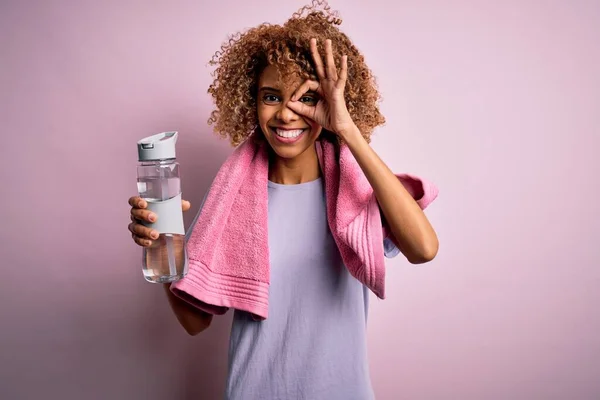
[[288, 135]]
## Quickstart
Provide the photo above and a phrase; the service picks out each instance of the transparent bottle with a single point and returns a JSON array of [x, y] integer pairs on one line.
[[159, 184]]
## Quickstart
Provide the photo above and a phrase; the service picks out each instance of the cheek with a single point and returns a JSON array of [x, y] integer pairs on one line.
[[264, 115], [260, 114], [315, 128]]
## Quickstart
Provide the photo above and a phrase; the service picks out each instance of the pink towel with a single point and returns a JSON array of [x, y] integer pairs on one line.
[[228, 248]]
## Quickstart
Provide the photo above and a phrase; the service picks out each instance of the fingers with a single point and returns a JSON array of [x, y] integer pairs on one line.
[[317, 59], [141, 241], [143, 235], [143, 215], [329, 71], [302, 109], [142, 232], [305, 87], [137, 202], [330, 62], [341, 83]]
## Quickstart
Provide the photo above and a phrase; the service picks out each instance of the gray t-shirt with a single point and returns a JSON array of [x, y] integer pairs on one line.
[[313, 344]]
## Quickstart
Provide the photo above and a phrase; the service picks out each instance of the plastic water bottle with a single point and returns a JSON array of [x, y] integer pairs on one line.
[[159, 184]]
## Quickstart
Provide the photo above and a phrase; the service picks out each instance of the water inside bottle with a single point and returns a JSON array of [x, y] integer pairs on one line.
[[165, 260], [156, 188]]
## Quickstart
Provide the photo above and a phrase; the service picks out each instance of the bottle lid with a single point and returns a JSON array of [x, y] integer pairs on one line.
[[157, 147]]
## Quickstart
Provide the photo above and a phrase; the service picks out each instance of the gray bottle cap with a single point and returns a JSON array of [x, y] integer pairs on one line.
[[157, 147]]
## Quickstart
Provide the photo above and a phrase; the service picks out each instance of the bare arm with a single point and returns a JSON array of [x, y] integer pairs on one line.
[[191, 318], [412, 232]]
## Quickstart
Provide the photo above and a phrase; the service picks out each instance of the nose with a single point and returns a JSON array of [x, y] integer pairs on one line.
[[286, 115]]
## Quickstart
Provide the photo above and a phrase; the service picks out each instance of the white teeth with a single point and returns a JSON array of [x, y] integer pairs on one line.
[[287, 133]]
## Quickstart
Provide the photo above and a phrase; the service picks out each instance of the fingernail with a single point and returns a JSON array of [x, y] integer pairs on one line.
[[151, 217], [141, 204], [154, 235]]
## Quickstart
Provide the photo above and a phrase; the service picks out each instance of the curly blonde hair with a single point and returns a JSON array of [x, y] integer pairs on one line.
[[243, 57]]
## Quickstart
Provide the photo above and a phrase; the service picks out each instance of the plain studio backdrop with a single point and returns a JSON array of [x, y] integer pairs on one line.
[[498, 103]]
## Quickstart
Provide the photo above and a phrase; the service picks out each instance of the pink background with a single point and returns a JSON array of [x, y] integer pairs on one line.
[[496, 102]]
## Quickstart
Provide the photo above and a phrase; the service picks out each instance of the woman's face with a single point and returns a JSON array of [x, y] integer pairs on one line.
[[288, 133]]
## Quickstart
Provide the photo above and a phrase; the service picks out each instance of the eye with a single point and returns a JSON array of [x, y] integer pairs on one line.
[[308, 100], [270, 98]]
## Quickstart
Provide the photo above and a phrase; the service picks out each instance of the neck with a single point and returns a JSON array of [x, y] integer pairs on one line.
[[301, 169]]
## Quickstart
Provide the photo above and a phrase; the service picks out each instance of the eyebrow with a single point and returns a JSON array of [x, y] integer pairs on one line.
[[268, 88]]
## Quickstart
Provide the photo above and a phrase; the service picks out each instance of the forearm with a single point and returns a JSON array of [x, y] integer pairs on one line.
[[411, 230], [191, 318]]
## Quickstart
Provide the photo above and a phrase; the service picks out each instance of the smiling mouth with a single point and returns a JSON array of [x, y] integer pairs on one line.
[[288, 133]]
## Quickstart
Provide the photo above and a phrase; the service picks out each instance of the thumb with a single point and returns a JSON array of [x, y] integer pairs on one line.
[[185, 205]]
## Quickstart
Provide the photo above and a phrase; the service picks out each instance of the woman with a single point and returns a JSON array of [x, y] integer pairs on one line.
[[272, 84]]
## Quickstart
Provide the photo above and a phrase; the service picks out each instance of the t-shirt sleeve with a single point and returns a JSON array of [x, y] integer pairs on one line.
[[390, 250]]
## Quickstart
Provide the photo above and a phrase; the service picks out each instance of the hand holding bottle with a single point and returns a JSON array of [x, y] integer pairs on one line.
[[141, 234]]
